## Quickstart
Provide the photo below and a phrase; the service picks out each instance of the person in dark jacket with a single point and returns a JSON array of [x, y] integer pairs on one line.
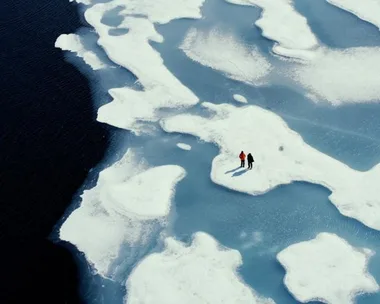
[[250, 161], [242, 159]]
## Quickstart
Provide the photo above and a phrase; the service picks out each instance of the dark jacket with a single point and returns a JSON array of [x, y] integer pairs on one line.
[[250, 158]]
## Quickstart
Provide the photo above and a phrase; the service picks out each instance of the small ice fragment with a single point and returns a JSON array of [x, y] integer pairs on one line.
[[240, 98], [184, 146]]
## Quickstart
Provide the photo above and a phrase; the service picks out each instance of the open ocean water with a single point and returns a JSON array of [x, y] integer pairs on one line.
[[49, 141]]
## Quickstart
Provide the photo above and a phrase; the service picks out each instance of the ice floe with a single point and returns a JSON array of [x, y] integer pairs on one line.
[[327, 269], [129, 203], [368, 10], [203, 272], [131, 49], [184, 146], [341, 76], [280, 22], [281, 157], [72, 43], [225, 53], [240, 98]]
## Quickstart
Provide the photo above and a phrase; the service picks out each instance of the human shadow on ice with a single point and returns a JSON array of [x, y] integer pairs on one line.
[[233, 170], [238, 173]]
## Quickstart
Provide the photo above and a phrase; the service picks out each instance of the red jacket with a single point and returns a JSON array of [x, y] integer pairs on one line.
[[242, 156]]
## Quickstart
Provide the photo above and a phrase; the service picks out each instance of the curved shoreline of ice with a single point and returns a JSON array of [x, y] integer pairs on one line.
[[281, 157], [315, 270], [279, 21], [126, 207], [203, 272], [367, 10]]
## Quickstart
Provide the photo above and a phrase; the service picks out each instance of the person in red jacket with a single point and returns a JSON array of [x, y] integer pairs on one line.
[[242, 159]]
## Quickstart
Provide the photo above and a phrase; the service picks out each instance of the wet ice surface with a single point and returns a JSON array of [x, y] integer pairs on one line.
[[259, 227]]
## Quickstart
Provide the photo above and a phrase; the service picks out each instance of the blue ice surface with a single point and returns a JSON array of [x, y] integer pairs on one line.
[[288, 214]]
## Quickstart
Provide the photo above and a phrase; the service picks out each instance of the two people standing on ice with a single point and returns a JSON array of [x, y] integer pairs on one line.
[[249, 159]]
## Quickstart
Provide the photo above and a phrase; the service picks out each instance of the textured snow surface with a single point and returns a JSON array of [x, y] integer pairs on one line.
[[225, 53], [281, 157], [203, 272], [72, 43], [280, 22], [184, 146], [327, 269], [240, 98], [368, 10], [122, 208], [339, 76]]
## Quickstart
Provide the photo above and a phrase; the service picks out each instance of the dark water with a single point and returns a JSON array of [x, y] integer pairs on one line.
[[49, 140]]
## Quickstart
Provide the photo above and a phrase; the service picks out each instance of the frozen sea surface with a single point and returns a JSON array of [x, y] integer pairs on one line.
[[259, 226]]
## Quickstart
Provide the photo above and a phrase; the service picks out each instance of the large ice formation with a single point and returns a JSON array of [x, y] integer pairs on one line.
[[125, 207], [203, 272], [131, 49], [327, 269], [281, 157]]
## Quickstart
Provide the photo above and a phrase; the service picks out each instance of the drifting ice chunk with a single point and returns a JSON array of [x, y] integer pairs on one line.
[[326, 269], [280, 22], [127, 204], [281, 157], [223, 52], [337, 76], [240, 98], [368, 10], [184, 146], [72, 43], [201, 273]]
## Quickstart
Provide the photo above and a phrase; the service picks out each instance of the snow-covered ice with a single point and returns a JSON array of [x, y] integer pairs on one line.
[[203, 272], [281, 157], [339, 76], [327, 269], [184, 146], [128, 199], [72, 43], [280, 22], [240, 98], [225, 53], [132, 50], [368, 10]]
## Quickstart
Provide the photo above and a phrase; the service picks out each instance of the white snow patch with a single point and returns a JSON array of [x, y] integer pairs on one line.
[[127, 202], [72, 43], [281, 157], [203, 272], [280, 22], [132, 51], [367, 10], [240, 98], [339, 76], [327, 269], [184, 146], [224, 52]]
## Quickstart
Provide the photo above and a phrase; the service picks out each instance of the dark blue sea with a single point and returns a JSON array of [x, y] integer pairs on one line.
[[49, 141]]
